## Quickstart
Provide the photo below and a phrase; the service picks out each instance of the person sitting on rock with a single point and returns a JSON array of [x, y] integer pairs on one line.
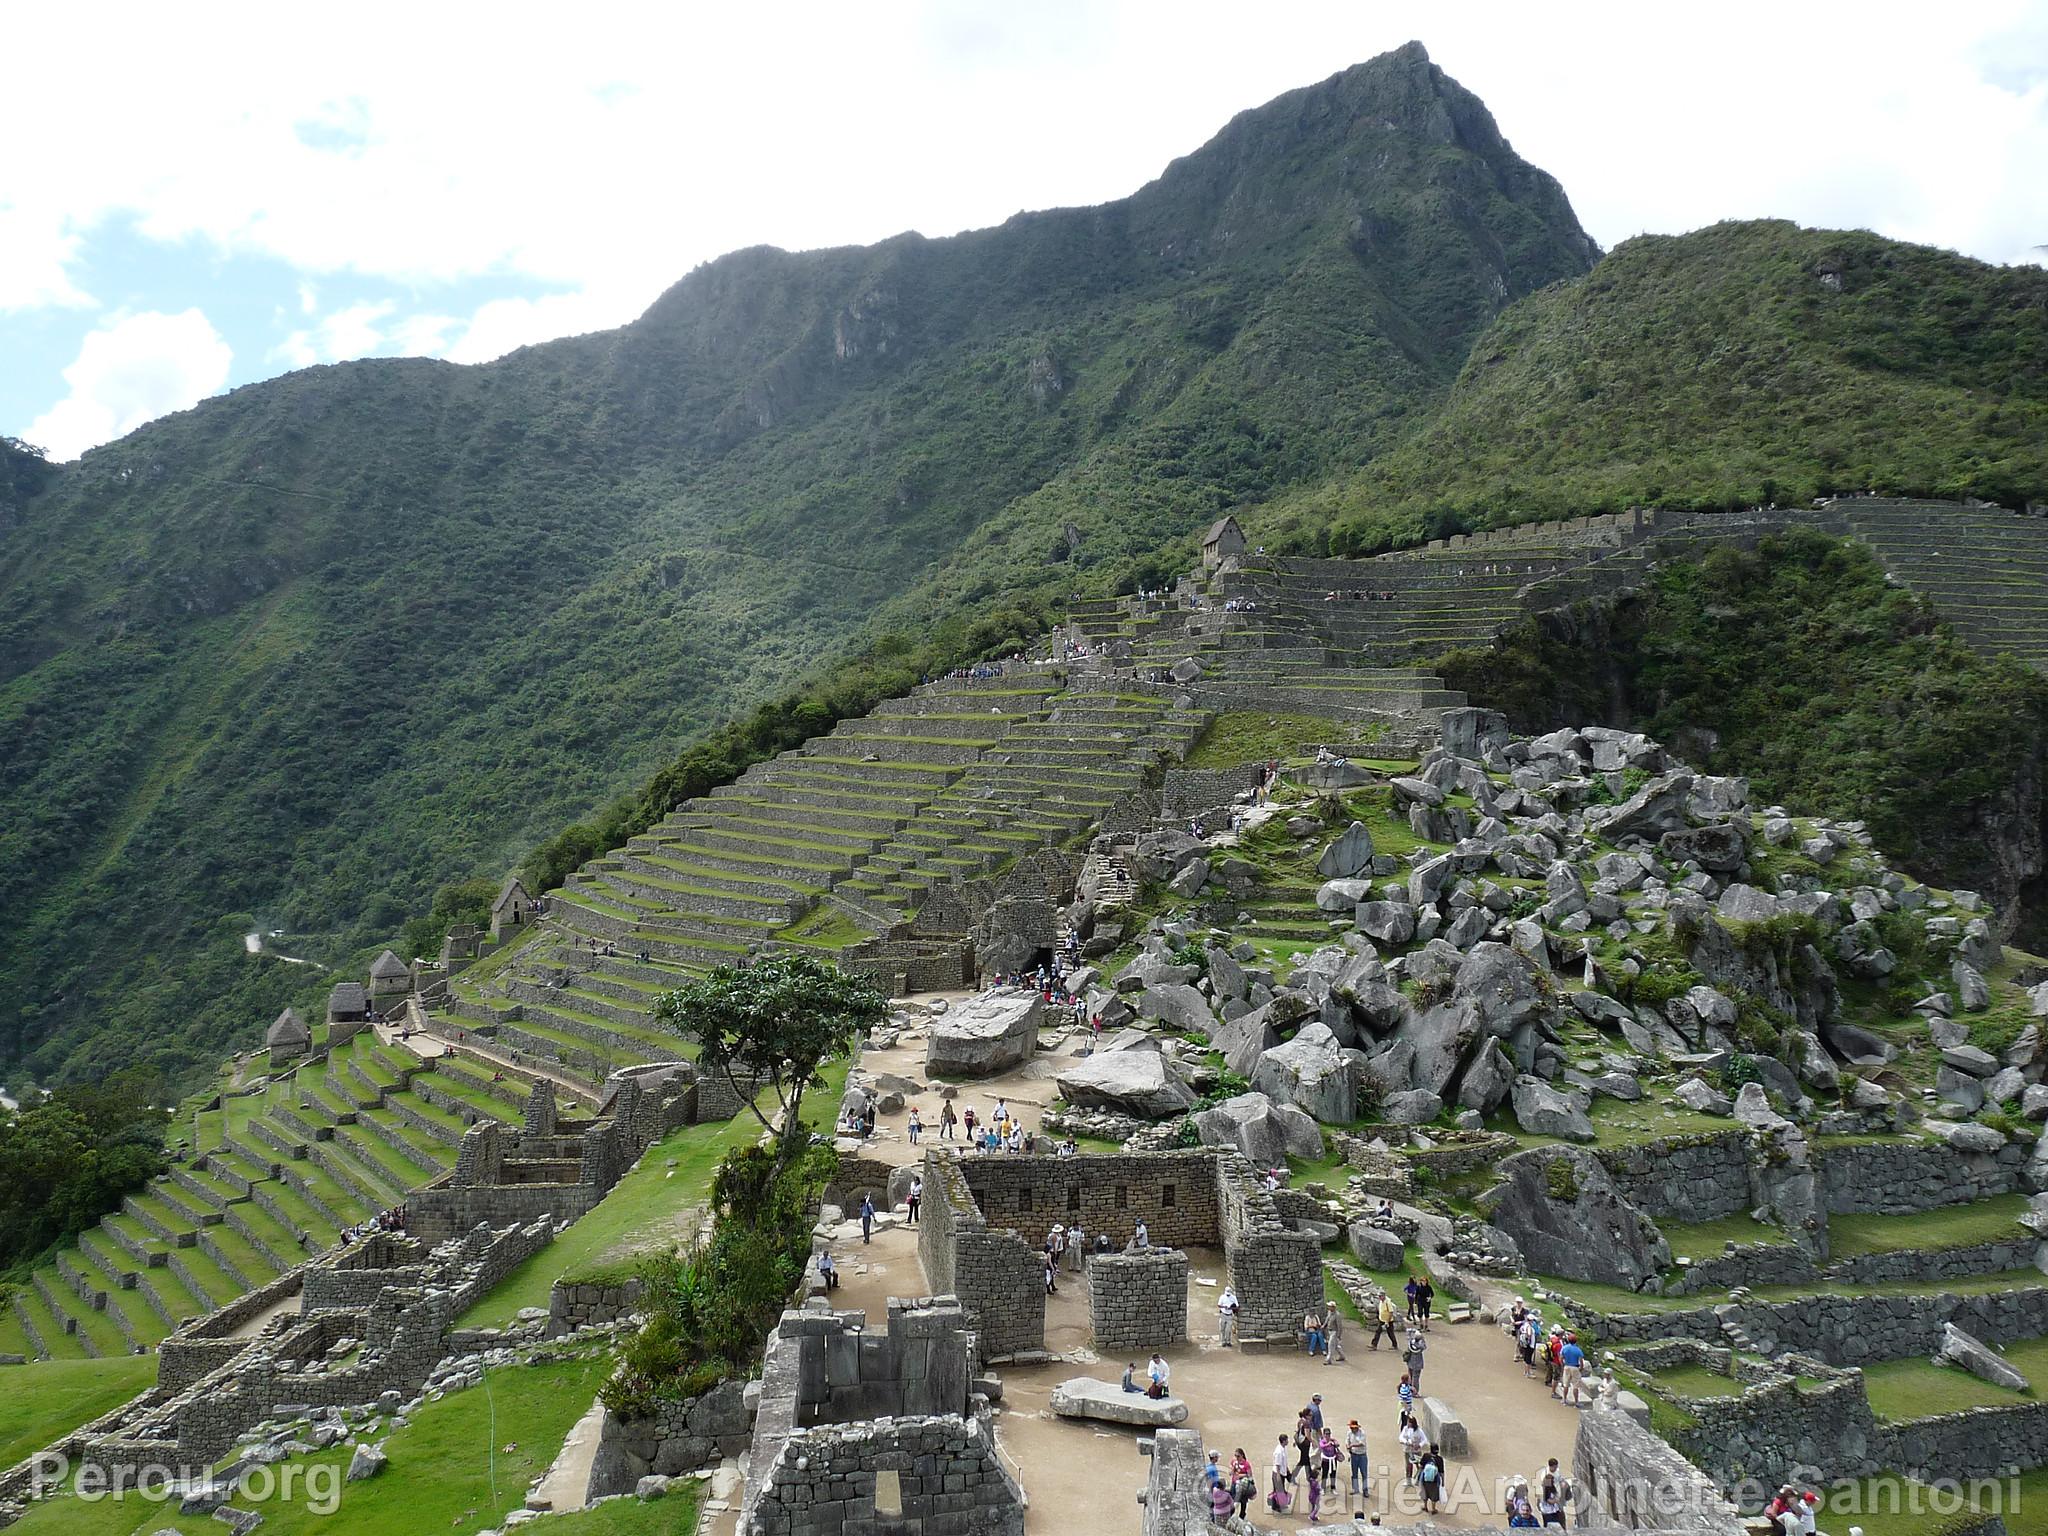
[[828, 1271], [1130, 1382]]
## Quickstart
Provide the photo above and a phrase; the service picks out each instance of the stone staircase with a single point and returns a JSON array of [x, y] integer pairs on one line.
[[274, 1175]]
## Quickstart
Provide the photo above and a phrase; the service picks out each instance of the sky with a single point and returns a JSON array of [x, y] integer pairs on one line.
[[196, 197]]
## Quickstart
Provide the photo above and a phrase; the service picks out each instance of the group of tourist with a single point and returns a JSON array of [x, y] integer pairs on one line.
[[1353, 595], [1556, 1352], [1240, 605]]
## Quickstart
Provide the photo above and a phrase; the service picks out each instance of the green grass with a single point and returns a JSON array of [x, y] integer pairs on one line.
[[674, 1515], [1704, 1239], [1236, 737], [457, 1467], [46, 1399], [641, 1212], [1612, 1298], [1898, 1506], [1951, 1226], [1695, 1381]]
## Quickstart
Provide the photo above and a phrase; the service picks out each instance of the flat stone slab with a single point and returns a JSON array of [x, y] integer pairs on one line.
[[1083, 1397]]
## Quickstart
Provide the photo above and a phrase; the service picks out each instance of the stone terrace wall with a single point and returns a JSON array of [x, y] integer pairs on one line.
[[1138, 1300], [1699, 1178], [1896, 1178], [1276, 1271], [581, 1304], [1191, 791], [950, 1482], [677, 1437], [1643, 1484]]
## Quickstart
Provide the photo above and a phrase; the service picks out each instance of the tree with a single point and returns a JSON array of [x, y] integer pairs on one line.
[[778, 1020]]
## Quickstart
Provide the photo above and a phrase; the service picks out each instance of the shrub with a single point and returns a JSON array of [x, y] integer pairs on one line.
[[1561, 1180]]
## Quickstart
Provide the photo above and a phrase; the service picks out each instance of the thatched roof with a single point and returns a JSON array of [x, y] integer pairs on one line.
[[288, 1030], [388, 965], [348, 999], [1217, 529], [512, 887]]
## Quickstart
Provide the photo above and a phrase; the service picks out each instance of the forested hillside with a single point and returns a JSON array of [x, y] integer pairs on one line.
[[1745, 363], [298, 656]]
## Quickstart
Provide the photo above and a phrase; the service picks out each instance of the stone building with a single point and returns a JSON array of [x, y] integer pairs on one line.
[[287, 1039], [1224, 541], [513, 909], [348, 1010], [389, 977]]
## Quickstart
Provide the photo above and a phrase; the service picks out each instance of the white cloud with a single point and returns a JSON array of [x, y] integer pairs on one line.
[[132, 369], [505, 325], [36, 254], [351, 332]]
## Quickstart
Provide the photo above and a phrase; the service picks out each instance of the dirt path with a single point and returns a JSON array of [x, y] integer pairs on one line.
[[566, 1484], [261, 1320]]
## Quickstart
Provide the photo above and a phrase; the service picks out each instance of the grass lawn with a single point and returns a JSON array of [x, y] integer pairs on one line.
[[1240, 736], [1898, 1506], [49, 1398], [1695, 1381], [1951, 1226], [643, 1210], [1704, 1239], [458, 1467]]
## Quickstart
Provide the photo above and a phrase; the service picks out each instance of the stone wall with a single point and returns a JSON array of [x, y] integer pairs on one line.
[[1173, 1193], [677, 1437], [948, 1481], [1138, 1300], [574, 1304], [1188, 792], [920, 1364], [998, 1277], [1641, 1483], [1696, 1178], [1895, 1178], [1175, 1494]]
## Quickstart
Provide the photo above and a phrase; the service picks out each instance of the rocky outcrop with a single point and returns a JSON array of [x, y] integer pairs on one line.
[[985, 1035], [1565, 1213]]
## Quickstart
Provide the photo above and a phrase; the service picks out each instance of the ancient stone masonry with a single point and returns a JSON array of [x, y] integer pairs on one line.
[[678, 1437], [1196, 1198], [1896, 1178], [927, 1466], [1638, 1482], [1138, 1300]]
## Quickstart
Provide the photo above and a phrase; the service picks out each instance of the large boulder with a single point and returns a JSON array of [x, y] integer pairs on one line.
[[1266, 1132], [1660, 806], [1351, 854], [1342, 895], [1564, 1211], [1958, 1348], [1542, 1111], [1721, 848], [1310, 1072], [1375, 1247], [986, 1035], [1487, 1080], [1159, 856], [1179, 1005], [1390, 922], [1501, 985], [1140, 1083]]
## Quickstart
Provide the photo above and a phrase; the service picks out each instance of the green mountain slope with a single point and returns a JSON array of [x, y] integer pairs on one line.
[[297, 656], [1742, 363]]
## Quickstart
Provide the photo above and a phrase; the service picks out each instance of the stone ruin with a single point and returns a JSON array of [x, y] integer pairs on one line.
[[860, 1432], [986, 1217]]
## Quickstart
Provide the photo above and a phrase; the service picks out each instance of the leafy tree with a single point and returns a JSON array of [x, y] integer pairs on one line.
[[777, 1020]]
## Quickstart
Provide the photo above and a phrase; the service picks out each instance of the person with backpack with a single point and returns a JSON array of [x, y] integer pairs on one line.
[[1282, 1494], [1242, 1483], [1383, 1323], [1412, 1446], [1413, 1359], [1431, 1476], [1425, 1299], [1572, 1359]]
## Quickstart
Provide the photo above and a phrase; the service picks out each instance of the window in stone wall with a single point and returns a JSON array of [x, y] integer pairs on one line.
[[1165, 1194], [1123, 1196], [1073, 1197], [888, 1495], [1024, 1198]]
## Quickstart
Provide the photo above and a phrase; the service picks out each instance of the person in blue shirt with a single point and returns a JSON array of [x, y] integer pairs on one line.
[[1573, 1359]]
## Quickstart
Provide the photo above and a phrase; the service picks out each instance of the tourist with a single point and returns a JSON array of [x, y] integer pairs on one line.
[[1383, 1323], [916, 1125], [1051, 1285], [1525, 1344], [947, 1121], [1315, 1495], [1516, 1315], [1550, 1504], [1130, 1382], [1413, 1359], [967, 1120], [1333, 1335], [1158, 1373], [1077, 1245], [1425, 1299], [1312, 1332], [1315, 1413], [1142, 1237], [916, 1196], [1304, 1441], [1280, 1497], [1406, 1392], [1809, 1504], [1431, 1474], [1521, 1513], [1354, 1449], [1412, 1446], [828, 1271], [1226, 1316], [1552, 1346], [1212, 1474], [1414, 1292], [1241, 1481], [1220, 1500], [1573, 1360], [867, 1218], [1328, 1453]]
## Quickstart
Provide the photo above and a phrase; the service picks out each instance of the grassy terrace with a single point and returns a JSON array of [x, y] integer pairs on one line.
[[1954, 1226], [54, 1397], [1918, 1389], [647, 1210], [1613, 1299]]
